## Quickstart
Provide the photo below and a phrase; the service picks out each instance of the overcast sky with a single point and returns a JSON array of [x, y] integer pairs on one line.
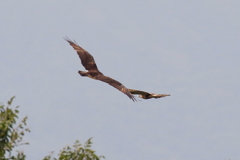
[[189, 49]]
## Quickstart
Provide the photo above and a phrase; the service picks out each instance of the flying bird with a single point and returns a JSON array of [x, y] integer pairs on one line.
[[146, 95], [93, 72]]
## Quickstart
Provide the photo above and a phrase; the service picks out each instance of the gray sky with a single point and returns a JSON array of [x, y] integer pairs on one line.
[[189, 49]]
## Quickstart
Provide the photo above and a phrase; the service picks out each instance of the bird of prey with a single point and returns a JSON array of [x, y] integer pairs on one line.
[[146, 95], [93, 72]]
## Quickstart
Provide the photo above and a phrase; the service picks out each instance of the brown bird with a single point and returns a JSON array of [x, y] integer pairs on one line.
[[146, 95], [93, 72]]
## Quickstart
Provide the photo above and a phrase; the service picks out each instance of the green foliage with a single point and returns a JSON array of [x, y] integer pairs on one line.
[[11, 135], [77, 152]]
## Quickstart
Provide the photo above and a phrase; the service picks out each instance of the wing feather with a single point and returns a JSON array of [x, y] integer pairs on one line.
[[146, 94], [116, 85], [159, 95], [86, 58], [138, 92]]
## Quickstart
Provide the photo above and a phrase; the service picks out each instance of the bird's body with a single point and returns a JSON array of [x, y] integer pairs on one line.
[[146, 95], [88, 62]]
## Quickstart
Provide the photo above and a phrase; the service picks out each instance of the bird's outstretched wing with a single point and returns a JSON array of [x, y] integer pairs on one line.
[[146, 95], [89, 63], [138, 92], [159, 95], [116, 85], [86, 58]]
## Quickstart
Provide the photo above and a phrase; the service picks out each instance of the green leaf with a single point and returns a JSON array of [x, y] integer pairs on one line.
[[10, 101]]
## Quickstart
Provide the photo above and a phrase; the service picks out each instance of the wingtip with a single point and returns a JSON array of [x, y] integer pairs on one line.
[[69, 40], [134, 99], [66, 38]]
